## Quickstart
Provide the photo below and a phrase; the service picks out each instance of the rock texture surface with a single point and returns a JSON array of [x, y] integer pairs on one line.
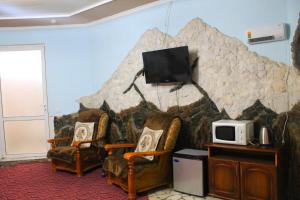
[[126, 126], [196, 122], [240, 85], [292, 143], [233, 76]]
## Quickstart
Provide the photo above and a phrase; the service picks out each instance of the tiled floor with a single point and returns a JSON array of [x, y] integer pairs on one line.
[[170, 194]]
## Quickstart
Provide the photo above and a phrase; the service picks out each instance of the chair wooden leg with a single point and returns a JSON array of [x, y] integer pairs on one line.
[[109, 178], [131, 183], [78, 164], [53, 166]]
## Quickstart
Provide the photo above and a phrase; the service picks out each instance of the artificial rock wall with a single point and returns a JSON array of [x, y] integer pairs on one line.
[[233, 76], [236, 83]]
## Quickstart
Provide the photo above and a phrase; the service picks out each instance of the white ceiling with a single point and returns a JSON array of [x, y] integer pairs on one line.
[[29, 13], [27, 9]]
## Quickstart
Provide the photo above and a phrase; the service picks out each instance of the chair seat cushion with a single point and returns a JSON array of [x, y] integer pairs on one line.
[[117, 165], [68, 154]]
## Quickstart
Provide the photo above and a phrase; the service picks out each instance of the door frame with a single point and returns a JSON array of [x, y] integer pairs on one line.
[[9, 157]]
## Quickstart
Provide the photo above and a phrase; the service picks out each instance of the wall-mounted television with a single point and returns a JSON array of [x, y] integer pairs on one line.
[[167, 65]]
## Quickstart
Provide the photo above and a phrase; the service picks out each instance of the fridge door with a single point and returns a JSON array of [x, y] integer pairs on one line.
[[188, 176]]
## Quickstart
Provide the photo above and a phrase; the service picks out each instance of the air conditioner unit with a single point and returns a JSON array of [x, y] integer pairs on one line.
[[267, 34]]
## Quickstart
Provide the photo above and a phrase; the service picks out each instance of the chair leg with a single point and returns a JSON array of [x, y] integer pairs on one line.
[[109, 179], [131, 183], [104, 173], [78, 164], [53, 166]]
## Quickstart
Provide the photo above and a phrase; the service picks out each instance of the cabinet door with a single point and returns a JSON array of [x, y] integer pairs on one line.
[[258, 181], [224, 178]]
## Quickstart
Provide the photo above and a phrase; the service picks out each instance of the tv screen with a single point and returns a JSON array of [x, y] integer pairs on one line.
[[167, 65]]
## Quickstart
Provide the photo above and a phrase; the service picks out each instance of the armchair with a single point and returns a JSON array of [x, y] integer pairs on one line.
[[74, 157], [134, 173]]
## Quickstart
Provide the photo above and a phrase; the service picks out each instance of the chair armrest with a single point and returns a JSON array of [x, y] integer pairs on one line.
[[78, 143], [131, 155], [110, 147], [52, 140]]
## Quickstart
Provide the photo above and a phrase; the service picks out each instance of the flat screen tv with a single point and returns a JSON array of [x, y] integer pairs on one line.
[[167, 65]]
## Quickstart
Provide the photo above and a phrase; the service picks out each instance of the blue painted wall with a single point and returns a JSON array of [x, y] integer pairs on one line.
[[68, 63], [80, 60]]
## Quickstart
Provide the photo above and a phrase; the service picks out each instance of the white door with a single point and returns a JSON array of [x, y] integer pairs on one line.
[[23, 111]]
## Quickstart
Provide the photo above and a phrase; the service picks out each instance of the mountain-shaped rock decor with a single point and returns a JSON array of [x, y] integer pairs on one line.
[[261, 116], [239, 85], [233, 76]]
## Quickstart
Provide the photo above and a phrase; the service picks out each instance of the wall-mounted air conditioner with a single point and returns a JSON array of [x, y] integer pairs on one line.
[[267, 34]]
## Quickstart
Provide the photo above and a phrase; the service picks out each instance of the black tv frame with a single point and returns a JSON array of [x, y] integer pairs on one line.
[[162, 64]]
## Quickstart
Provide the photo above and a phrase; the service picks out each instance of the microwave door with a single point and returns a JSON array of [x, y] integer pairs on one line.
[[226, 133]]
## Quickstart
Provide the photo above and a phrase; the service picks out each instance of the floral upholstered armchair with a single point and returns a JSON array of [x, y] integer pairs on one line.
[[149, 165], [74, 154]]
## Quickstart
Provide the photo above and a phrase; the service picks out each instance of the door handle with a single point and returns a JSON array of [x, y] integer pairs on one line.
[[45, 108]]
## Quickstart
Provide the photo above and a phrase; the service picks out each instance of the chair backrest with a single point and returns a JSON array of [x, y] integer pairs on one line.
[[90, 115], [170, 126], [99, 117], [102, 126], [172, 134]]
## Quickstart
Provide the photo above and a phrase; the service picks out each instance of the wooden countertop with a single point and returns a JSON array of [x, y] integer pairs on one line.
[[245, 148]]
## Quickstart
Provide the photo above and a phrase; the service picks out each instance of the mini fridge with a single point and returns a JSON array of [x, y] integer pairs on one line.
[[190, 171]]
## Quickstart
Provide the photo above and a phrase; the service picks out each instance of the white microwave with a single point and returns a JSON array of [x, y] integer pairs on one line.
[[238, 132]]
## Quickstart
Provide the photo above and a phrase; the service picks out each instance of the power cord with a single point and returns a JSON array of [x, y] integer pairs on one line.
[[288, 106], [167, 23], [284, 126], [158, 96], [177, 101], [164, 44]]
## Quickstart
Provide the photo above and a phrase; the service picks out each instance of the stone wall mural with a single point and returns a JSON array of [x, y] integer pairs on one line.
[[233, 76], [237, 83]]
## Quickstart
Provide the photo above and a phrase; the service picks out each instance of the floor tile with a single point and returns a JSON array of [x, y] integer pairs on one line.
[[170, 194]]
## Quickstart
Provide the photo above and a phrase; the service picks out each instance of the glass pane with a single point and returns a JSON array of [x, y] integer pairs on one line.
[[25, 137], [226, 133], [21, 83]]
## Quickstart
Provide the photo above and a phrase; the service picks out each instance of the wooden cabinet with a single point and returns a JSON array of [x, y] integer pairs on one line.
[[241, 172], [224, 178], [258, 181]]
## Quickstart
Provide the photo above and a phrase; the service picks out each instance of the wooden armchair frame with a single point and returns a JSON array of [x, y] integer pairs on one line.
[[129, 186], [77, 145], [77, 164]]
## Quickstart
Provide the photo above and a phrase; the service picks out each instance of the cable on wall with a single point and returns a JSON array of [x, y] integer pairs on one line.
[[284, 127], [177, 101], [288, 106], [159, 102], [164, 42], [167, 24]]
